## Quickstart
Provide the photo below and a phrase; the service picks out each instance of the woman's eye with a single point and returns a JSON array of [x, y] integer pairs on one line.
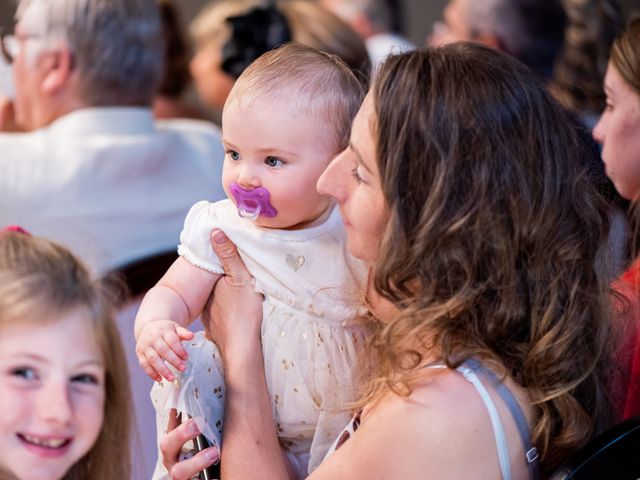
[[24, 372], [233, 155], [356, 176], [273, 162], [85, 378]]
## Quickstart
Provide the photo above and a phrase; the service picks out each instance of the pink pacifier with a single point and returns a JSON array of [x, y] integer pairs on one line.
[[252, 203]]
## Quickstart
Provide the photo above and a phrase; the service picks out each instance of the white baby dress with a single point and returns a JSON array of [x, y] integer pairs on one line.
[[311, 335]]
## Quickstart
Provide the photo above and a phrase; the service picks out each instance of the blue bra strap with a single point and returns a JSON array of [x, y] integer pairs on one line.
[[516, 413]]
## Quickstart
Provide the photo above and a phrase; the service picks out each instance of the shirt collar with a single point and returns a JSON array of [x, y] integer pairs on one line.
[[105, 120]]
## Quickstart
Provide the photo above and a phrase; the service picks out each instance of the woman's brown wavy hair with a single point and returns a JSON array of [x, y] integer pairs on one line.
[[39, 281], [495, 239]]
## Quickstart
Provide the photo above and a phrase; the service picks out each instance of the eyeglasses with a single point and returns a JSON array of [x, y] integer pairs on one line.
[[8, 46]]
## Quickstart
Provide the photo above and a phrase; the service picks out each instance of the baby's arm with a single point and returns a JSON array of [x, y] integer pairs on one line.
[[166, 310]]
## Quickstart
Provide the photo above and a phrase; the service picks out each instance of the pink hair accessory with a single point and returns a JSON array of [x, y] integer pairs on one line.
[[15, 228], [252, 203]]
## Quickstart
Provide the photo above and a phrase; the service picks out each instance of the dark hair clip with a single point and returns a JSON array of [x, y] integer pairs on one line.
[[256, 32], [15, 228]]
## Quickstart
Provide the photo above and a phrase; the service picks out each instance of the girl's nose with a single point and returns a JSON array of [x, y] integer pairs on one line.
[[54, 404]]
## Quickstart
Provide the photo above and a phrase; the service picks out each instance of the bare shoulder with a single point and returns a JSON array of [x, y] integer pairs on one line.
[[440, 431]]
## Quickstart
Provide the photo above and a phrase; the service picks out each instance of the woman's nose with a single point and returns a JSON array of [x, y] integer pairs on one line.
[[598, 131], [333, 180]]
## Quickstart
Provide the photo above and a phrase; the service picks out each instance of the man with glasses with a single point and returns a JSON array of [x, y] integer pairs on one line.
[[94, 171]]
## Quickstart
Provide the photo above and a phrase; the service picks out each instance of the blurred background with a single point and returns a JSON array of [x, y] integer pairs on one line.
[[419, 14]]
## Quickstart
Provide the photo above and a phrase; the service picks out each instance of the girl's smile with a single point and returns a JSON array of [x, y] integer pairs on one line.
[[52, 381]]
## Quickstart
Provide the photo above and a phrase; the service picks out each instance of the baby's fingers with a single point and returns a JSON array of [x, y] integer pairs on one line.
[[156, 360], [166, 350], [184, 333], [173, 343], [148, 369]]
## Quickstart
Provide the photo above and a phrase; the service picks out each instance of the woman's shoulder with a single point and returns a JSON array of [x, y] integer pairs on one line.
[[441, 400], [440, 430]]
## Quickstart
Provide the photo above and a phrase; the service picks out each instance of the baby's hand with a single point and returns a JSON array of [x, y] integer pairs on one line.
[[160, 341]]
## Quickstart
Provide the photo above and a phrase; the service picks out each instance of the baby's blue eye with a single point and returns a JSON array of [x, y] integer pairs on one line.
[[273, 162], [233, 155], [25, 372]]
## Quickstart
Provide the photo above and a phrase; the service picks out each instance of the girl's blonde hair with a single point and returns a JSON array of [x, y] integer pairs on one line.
[[40, 280]]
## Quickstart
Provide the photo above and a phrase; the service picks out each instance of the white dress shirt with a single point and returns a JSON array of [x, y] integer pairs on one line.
[[109, 183], [381, 45]]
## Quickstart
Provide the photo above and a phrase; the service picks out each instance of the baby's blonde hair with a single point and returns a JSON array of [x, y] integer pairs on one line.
[[39, 282], [307, 81]]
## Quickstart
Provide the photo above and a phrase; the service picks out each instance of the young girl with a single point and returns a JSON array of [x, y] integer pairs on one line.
[[287, 116], [65, 390]]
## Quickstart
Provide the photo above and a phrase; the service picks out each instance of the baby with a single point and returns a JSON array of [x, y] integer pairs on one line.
[[287, 116]]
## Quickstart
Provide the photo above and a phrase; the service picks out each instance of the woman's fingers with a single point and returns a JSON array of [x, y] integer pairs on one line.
[[174, 420], [186, 469], [177, 435], [234, 268], [171, 444]]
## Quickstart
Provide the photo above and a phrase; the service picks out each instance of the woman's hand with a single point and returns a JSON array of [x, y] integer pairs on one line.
[[233, 320], [233, 314], [171, 444]]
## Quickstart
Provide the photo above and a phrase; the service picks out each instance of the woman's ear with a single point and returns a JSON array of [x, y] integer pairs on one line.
[[59, 67]]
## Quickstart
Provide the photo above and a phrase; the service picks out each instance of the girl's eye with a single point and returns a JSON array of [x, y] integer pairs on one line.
[[273, 162], [355, 175], [233, 155], [85, 378], [24, 372]]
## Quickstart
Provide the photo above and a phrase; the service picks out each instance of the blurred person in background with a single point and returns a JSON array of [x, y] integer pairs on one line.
[[169, 102], [224, 48], [378, 22], [533, 31], [94, 172], [530, 30], [580, 69]]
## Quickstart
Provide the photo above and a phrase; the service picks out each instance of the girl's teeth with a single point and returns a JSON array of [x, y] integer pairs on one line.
[[49, 443]]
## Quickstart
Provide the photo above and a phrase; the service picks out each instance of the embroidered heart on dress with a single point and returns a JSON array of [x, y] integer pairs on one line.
[[294, 263]]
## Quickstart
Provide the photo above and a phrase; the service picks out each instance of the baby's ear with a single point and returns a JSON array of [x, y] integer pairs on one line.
[[58, 66]]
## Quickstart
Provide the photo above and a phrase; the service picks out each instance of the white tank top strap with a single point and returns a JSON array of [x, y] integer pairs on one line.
[[498, 430], [470, 370]]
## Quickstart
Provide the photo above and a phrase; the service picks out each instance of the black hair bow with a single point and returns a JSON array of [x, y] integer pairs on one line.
[[256, 32]]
